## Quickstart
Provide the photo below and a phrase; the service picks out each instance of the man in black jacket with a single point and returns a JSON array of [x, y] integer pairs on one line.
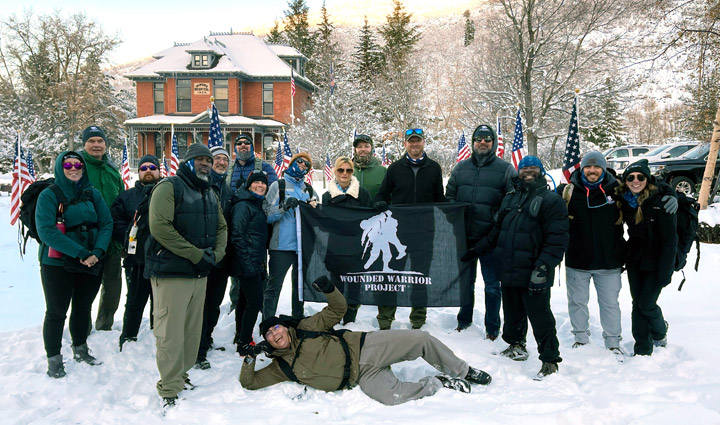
[[531, 235], [412, 179], [128, 212], [482, 181]]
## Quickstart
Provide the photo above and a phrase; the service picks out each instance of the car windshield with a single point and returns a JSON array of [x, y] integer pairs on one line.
[[657, 151], [697, 152]]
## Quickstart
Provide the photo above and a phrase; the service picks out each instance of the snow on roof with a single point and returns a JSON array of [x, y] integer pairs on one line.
[[285, 50], [240, 53], [194, 119]]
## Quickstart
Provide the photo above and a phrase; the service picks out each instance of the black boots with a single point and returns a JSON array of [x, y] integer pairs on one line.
[[81, 353], [55, 366]]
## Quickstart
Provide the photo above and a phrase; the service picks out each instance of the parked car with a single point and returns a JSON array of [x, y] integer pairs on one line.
[[619, 158], [671, 150], [686, 171]]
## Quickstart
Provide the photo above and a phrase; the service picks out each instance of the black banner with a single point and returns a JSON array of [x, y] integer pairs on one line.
[[406, 256]]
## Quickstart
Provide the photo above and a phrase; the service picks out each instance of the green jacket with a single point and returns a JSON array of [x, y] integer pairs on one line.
[[371, 176], [91, 212], [105, 177], [321, 361]]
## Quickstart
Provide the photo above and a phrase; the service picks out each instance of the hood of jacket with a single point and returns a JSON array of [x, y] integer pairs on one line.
[[70, 188]]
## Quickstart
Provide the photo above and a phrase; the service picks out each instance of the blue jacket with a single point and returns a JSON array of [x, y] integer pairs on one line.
[[284, 234], [241, 172]]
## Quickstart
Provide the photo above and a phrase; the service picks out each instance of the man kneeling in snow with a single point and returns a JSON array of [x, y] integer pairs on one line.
[[312, 353]]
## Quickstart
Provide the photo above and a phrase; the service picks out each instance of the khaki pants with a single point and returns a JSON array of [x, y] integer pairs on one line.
[[178, 315]]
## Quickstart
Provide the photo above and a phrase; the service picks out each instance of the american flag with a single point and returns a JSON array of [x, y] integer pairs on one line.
[[125, 168], [163, 168], [278, 165], [287, 153], [501, 146], [463, 151], [332, 79], [31, 165], [328, 168], [292, 83], [174, 156], [385, 160], [572, 146], [517, 148], [309, 176], [21, 180], [215, 138]]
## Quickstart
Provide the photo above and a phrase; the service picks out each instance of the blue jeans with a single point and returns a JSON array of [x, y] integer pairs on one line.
[[493, 296]]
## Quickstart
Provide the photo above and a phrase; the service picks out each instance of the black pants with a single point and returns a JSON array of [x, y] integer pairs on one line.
[[280, 262], [61, 288], [138, 293], [214, 294], [249, 303], [518, 307], [648, 322]]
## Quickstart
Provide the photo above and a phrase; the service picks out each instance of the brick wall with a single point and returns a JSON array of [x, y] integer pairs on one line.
[[144, 99]]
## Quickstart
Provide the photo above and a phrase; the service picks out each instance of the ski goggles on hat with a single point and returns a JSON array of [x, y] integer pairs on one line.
[[414, 132], [70, 165], [151, 167]]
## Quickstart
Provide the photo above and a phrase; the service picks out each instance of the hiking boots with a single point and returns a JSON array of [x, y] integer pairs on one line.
[[462, 326], [202, 364], [457, 384], [168, 403], [546, 369], [491, 337], [188, 385], [477, 376], [578, 344], [516, 352], [662, 342], [56, 369], [123, 340], [246, 349], [81, 353]]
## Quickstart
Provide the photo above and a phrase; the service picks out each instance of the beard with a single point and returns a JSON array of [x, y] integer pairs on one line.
[[244, 156], [482, 152], [202, 176], [362, 159]]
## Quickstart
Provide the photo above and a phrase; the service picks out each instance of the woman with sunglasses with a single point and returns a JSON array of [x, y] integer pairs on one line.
[[75, 227], [650, 253], [344, 190]]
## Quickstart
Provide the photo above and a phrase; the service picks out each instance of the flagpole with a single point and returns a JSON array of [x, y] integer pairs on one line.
[[172, 135], [577, 111], [292, 100], [20, 182]]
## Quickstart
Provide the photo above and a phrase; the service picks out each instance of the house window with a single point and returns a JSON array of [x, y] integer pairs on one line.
[[181, 143], [159, 145], [267, 98], [183, 95], [201, 61], [158, 97], [220, 88]]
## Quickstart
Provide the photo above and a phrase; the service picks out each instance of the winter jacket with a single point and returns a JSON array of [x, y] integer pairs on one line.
[[355, 196], [596, 236], [237, 173], [248, 235], [105, 177], [182, 228], [225, 194], [321, 362], [524, 241], [88, 222], [284, 233], [123, 215], [652, 242], [403, 185], [481, 181], [370, 176]]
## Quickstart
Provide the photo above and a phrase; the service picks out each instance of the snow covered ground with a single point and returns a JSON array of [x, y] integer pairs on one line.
[[677, 384]]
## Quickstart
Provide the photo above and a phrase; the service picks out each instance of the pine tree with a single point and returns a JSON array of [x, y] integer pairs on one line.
[[297, 30], [275, 35], [400, 36], [368, 57], [327, 52], [603, 113], [469, 28]]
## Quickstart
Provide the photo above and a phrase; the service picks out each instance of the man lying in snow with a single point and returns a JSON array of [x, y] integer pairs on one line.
[[311, 352]]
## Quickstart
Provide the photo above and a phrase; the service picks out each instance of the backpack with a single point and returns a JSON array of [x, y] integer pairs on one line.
[[687, 231], [281, 190], [302, 334]]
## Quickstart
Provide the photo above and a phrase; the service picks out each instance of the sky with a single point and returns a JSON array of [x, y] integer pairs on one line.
[[147, 27]]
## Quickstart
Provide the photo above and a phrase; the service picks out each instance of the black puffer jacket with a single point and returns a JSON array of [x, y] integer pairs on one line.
[[525, 241], [248, 235], [481, 181], [402, 185], [225, 194], [596, 237], [123, 212], [652, 242]]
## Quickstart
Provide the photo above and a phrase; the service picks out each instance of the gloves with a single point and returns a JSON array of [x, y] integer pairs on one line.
[[207, 262], [538, 280], [380, 206], [323, 284], [471, 253], [290, 203], [259, 348], [671, 204]]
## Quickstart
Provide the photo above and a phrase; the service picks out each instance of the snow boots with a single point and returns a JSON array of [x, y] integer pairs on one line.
[[81, 353], [457, 384], [516, 352], [546, 369], [55, 366], [477, 376]]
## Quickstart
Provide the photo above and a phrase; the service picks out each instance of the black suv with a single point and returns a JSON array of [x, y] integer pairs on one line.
[[686, 171]]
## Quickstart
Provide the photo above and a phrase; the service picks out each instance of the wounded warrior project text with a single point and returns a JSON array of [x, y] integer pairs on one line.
[[396, 283]]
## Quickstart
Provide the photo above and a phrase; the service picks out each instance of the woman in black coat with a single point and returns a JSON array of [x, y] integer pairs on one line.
[[344, 190], [650, 253], [248, 236]]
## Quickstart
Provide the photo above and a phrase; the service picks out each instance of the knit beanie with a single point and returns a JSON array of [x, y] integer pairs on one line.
[[483, 130], [268, 323], [594, 158], [256, 175], [219, 150], [149, 158], [531, 161], [196, 150], [638, 167], [92, 131]]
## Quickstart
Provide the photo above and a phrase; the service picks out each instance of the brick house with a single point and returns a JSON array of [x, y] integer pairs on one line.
[[249, 80]]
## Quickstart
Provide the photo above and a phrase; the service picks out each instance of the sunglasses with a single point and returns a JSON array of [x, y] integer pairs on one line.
[[151, 167], [243, 142], [411, 131], [70, 165], [272, 329], [303, 161], [345, 170], [631, 178], [488, 139]]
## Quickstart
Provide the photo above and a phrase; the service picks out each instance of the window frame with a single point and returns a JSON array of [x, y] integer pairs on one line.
[[178, 100], [222, 104], [159, 105], [268, 88]]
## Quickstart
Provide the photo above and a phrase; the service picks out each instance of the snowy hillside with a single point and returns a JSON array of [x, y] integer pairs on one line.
[[678, 384]]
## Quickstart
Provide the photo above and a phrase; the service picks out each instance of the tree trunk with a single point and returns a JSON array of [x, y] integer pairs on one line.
[[710, 164]]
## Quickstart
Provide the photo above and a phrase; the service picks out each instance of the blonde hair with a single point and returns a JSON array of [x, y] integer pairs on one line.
[[646, 192], [343, 160]]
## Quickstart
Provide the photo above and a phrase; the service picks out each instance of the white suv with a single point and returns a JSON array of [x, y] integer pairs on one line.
[[619, 158]]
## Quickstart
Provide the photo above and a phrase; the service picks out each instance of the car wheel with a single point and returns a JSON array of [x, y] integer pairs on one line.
[[684, 185]]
